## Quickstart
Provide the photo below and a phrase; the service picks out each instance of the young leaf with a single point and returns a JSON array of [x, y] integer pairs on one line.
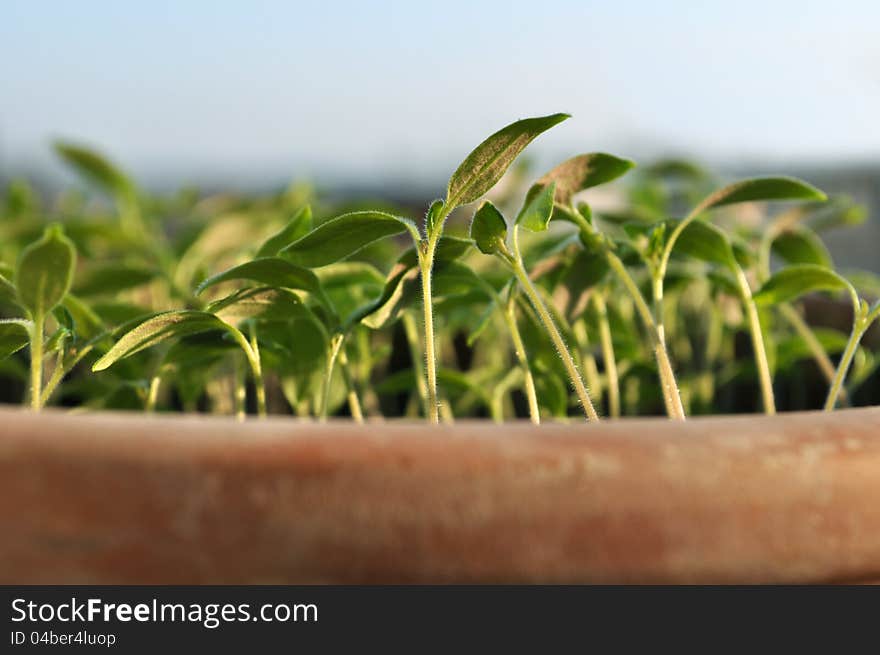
[[14, 335], [580, 173], [156, 330], [489, 229], [343, 236], [801, 245], [482, 169], [270, 271], [536, 213], [398, 292], [263, 303], [95, 168], [707, 243], [795, 281], [45, 271], [298, 227], [760, 189]]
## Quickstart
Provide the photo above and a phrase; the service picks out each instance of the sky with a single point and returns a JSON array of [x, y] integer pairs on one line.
[[403, 90]]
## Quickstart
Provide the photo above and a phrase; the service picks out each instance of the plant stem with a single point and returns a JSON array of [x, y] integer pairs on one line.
[[54, 380], [764, 376], [354, 403], [37, 361], [520, 350], [426, 263], [534, 297], [259, 385], [239, 392], [252, 352], [415, 353], [860, 326], [671, 394], [336, 342], [608, 355], [153, 393]]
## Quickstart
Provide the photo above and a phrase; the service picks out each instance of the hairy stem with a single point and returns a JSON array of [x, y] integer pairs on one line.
[[520, 351], [37, 361], [559, 343], [671, 394], [426, 263]]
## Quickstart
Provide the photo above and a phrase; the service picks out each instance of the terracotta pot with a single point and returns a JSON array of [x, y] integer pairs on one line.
[[113, 498]]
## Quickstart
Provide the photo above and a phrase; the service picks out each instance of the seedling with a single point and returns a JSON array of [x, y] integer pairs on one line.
[[266, 305]]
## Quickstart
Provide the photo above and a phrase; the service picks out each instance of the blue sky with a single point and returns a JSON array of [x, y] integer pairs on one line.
[[367, 90]]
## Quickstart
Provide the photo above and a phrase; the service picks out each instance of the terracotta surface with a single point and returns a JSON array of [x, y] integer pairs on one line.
[[130, 499]]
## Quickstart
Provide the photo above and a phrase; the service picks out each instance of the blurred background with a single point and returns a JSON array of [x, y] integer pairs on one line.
[[387, 97]]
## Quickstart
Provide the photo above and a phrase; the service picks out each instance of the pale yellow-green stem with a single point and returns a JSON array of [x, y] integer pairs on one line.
[[153, 393], [862, 320], [426, 263], [412, 337], [611, 374], [336, 342], [671, 394], [763, 366], [521, 357], [354, 403], [37, 361], [549, 324]]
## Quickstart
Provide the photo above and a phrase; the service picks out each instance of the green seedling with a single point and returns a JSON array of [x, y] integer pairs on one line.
[[294, 301]]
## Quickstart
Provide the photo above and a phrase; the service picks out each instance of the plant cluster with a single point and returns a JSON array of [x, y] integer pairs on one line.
[[233, 304]]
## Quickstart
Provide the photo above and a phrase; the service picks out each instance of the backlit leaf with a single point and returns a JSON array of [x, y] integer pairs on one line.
[[487, 163]]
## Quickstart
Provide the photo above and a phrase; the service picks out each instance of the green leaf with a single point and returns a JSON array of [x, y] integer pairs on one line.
[[580, 173], [157, 329], [298, 227], [707, 243], [399, 291], [487, 163], [456, 279], [14, 335], [801, 245], [432, 214], [261, 303], [95, 168], [45, 271], [795, 281], [269, 271], [343, 236], [489, 229], [536, 213], [760, 189]]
